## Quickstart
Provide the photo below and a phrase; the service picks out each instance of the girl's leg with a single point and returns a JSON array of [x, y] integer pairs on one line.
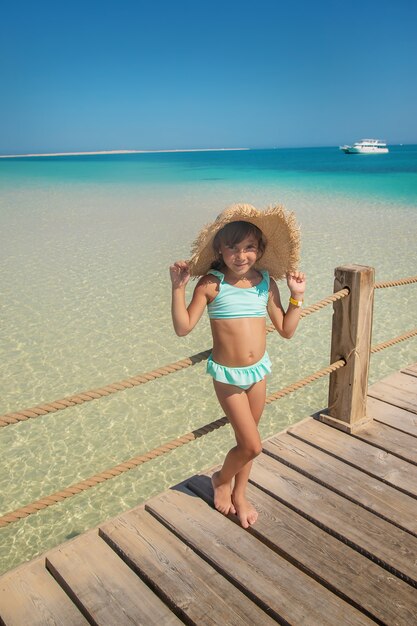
[[246, 512], [235, 403]]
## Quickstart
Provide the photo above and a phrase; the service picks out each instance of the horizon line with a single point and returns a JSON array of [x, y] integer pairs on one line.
[[159, 151]]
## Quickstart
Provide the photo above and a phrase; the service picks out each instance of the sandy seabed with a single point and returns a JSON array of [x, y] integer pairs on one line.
[[87, 293]]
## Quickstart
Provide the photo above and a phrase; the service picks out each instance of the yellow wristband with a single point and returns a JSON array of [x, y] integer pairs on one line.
[[296, 302]]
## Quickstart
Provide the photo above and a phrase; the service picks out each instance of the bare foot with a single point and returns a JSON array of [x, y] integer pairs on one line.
[[222, 495], [246, 513]]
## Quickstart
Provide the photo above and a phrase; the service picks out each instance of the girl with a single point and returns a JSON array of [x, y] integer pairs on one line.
[[236, 255]]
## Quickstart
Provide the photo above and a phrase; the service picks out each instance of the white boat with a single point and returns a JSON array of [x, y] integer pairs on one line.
[[366, 146]]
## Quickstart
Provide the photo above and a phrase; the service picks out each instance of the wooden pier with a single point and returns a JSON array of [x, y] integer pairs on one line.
[[335, 542]]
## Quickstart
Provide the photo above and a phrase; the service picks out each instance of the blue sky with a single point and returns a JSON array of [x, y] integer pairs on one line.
[[126, 74]]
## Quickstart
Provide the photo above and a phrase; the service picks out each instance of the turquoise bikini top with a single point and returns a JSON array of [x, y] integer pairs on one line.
[[233, 302]]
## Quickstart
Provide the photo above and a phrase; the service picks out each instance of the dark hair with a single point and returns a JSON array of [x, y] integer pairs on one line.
[[234, 233]]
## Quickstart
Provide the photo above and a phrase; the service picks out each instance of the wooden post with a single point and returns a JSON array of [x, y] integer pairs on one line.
[[351, 340]]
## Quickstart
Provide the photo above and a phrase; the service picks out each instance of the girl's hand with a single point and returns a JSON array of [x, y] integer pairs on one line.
[[180, 274], [296, 282]]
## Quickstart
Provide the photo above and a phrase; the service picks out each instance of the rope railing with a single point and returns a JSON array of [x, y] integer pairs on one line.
[[392, 342], [47, 501], [93, 394], [317, 306], [121, 468], [325, 371], [396, 283]]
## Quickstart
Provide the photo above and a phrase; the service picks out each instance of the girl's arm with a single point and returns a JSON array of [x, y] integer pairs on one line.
[[286, 322], [185, 318]]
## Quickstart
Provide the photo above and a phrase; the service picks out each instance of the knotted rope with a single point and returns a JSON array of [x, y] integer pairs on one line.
[[42, 503], [141, 379], [305, 381], [58, 496], [392, 342], [93, 394], [396, 283]]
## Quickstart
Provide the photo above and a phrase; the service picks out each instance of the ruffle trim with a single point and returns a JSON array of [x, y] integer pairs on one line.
[[240, 376]]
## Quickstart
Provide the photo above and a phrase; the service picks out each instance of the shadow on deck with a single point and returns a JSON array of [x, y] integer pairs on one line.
[[335, 542]]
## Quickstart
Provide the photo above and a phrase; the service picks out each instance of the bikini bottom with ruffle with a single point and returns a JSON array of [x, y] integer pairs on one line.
[[243, 377]]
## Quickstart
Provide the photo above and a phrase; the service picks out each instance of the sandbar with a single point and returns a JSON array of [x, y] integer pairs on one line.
[[98, 152]]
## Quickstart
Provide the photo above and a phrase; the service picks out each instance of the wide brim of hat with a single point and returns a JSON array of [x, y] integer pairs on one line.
[[279, 227]]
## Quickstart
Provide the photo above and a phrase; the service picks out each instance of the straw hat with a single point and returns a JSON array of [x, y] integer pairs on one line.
[[278, 226]]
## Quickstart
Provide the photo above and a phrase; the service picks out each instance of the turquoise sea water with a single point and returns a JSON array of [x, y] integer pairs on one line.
[[393, 176], [85, 243]]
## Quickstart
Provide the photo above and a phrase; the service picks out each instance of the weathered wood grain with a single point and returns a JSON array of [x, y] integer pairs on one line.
[[376, 462], [345, 571], [29, 596], [397, 389], [351, 340], [371, 493], [175, 572], [335, 541], [106, 590], [393, 416], [267, 578], [384, 543], [400, 444], [410, 369]]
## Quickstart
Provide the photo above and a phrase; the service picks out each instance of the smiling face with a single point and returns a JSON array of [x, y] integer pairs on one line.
[[240, 257], [238, 246]]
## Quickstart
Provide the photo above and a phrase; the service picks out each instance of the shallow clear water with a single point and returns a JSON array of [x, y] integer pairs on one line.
[[85, 247]]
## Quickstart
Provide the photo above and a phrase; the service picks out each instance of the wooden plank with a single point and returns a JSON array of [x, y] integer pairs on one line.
[[103, 586], [384, 543], [351, 339], [263, 575], [175, 572], [365, 457], [411, 370], [333, 563], [371, 493], [398, 389], [393, 416], [29, 595], [389, 439]]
